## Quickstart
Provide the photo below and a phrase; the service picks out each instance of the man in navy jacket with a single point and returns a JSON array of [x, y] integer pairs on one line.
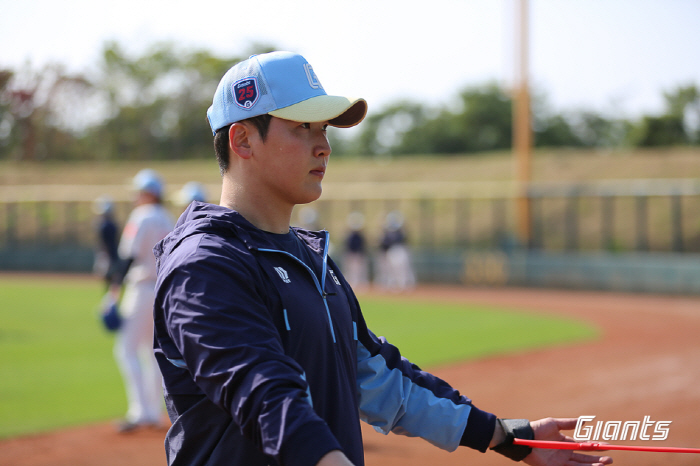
[[265, 354]]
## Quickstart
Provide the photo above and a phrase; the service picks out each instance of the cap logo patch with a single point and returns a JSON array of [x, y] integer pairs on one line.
[[246, 92], [311, 76]]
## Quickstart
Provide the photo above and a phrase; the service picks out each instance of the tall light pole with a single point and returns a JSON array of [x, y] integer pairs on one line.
[[522, 126]]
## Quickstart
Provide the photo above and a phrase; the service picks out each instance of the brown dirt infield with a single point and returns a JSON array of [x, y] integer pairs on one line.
[[646, 364]]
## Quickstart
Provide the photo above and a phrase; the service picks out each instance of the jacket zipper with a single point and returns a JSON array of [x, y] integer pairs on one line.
[[321, 287]]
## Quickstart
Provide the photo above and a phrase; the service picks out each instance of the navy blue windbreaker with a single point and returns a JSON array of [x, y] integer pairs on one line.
[[267, 361]]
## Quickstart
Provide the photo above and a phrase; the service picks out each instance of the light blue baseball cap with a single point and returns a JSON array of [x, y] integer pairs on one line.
[[192, 191], [284, 85], [103, 205], [149, 181]]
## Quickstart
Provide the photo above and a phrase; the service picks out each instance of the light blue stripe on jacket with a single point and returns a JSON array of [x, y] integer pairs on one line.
[[392, 402]]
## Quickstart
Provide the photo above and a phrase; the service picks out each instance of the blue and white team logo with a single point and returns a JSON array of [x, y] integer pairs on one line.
[[245, 92], [283, 274]]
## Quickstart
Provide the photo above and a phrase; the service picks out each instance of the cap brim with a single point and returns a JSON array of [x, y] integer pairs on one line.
[[342, 112]]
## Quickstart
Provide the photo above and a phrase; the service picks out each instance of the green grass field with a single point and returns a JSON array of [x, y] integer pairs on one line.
[[56, 360], [57, 366], [432, 334]]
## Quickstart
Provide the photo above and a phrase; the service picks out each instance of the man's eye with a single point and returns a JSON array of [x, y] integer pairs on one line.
[[306, 125]]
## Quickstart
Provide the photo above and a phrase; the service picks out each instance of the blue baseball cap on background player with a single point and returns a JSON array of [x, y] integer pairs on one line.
[[149, 181], [284, 85], [191, 191]]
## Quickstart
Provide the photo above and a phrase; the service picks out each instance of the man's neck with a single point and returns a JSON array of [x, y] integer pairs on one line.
[[263, 214]]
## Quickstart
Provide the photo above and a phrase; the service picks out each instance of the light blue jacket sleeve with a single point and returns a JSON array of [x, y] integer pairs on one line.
[[410, 403]]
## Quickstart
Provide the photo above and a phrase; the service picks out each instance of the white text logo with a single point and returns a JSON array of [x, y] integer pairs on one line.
[[335, 279], [618, 430], [283, 274], [311, 76]]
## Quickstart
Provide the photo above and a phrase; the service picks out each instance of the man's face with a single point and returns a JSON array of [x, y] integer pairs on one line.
[[292, 161]]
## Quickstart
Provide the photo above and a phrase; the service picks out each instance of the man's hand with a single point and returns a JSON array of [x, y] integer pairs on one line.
[[334, 458], [549, 429]]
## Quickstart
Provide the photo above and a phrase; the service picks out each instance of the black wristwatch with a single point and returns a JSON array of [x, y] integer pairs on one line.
[[515, 428]]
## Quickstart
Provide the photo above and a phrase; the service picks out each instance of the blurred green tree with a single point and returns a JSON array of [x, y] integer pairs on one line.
[[36, 117], [385, 131], [479, 120], [679, 125], [157, 102], [684, 103], [152, 105], [655, 131], [555, 131]]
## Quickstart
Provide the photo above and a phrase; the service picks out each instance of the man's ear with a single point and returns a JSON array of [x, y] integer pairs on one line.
[[239, 140]]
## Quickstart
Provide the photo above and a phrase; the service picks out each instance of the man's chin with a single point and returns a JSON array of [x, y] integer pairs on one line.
[[310, 196]]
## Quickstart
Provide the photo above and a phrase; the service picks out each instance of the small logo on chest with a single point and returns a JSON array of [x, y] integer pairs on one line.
[[335, 279], [283, 274]]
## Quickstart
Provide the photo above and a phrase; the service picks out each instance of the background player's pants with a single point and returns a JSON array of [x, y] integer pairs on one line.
[[356, 270], [133, 351], [398, 268]]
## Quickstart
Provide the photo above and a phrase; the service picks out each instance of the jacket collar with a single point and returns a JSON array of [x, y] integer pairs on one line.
[[201, 218]]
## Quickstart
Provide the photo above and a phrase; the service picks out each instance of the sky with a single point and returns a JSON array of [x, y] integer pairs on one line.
[[615, 57]]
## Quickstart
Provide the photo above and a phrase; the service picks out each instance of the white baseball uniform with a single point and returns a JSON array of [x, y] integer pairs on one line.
[[133, 350]]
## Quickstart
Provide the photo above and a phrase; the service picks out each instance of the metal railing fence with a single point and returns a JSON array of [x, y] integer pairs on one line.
[[614, 215]]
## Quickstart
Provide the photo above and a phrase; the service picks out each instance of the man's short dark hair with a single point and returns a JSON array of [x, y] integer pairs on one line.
[[261, 122]]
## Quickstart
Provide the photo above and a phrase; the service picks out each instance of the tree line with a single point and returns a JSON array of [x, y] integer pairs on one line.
[[153, 106]]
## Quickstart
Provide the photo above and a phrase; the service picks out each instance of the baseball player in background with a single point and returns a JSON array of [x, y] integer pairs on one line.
[[107, 254], [265, 354], [147, 224], [356, 260], [395, 267]]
